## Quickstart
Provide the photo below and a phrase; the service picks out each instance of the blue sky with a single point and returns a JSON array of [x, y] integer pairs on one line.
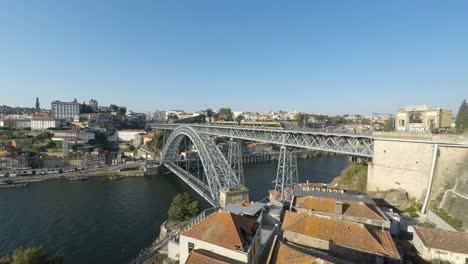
[[316, 56]]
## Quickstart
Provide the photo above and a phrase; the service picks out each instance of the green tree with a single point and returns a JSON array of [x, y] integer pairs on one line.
[[354, 177], [389, 125], [462, 117], [225, 114], [32, 255], [300, 118], [239, 119], [183, 207], [122, 111], [209, 114], [114, 108]]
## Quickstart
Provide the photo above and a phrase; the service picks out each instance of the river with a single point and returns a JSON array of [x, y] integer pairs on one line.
[[102, 221]]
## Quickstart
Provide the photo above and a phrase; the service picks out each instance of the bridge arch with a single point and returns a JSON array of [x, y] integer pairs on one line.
[[219, 174]]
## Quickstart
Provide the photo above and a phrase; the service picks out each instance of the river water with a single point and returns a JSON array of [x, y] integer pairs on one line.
[[102, 221]]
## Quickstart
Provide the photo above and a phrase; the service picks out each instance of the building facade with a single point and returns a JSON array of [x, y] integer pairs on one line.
[[16, 123], [128, 135], [43, 123], [440, 244], [422, 119], [65, 110], [226, 234]]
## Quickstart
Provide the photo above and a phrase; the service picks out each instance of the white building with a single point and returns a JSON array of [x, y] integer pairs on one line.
[[43, 123], [441, 244], [65, 110], [73, 136], [16, 123], [221, 236], [128, 135]]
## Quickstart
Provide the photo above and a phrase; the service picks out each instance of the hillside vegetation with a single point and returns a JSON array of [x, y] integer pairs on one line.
[[354, 177]]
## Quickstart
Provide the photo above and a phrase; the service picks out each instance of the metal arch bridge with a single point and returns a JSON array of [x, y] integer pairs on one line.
[[349, 144], [217, 171], [221, 173]]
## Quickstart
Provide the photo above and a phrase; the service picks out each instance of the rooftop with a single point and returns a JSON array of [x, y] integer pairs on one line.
[[245, 208], [343, 195], [285, 254], [225, 229], [444, 240], [344, 233], [201, 256], [419, 108], [327, 205], [75, 102]]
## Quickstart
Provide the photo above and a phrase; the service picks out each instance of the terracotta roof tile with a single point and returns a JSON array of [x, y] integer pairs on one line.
[[285, 254], [345, 233], [224, 229], [327, 205], [444, 240], [201, 256]]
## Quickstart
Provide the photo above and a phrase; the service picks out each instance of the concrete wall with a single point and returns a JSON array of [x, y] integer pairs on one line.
[[400, 165], [184, 252], [403, 161]]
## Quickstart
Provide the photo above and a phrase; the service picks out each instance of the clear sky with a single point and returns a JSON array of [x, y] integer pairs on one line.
[[316, 56]]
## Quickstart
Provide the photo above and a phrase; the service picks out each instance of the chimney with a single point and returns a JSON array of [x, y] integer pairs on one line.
[[338, 208]]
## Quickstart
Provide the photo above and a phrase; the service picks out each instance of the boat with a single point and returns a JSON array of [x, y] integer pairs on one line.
[[13, 185], [78, 178]]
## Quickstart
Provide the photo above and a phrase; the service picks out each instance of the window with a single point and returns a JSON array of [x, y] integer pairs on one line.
[[401, 122], [191, 246], [416, 118]]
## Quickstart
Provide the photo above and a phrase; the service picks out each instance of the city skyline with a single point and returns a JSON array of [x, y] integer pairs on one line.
[[311, 57]]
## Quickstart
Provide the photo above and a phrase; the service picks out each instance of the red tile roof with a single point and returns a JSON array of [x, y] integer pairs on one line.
[[201, 256], [285, 254], [327, 205], [345, 233], [444, 240], [224, 229]]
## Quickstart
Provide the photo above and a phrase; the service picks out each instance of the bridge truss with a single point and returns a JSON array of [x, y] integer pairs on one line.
[[349, 144], [217, 172]]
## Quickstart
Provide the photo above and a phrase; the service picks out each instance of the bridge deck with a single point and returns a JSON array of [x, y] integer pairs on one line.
[[192, 181], [350, 144]]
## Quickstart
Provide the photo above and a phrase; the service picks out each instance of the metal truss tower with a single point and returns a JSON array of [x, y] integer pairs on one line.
[[235, 159], [286, 176]]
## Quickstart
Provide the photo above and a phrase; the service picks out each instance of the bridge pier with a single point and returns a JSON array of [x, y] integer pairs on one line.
[[233, 196], [286, 176], [235, 159]]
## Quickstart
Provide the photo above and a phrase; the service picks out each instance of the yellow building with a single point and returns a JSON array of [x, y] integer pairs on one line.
[[422, 118]]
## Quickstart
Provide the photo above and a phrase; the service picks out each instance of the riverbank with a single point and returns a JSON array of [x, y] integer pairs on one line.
[[109, 171], [120, 217]]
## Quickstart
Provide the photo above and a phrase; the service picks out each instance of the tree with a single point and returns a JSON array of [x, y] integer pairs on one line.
[[225, 114], [32, 255], [239, 119], [462, 117], [300, 117], [389, 125], [183, 207], [209, 114]]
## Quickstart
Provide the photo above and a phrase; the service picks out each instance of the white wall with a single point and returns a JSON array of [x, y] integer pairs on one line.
[[184, 240]]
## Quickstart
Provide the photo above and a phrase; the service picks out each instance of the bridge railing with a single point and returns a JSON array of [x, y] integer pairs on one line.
[[350, 144]]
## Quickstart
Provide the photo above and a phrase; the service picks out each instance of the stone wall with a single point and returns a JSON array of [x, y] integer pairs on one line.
[[403, 161]]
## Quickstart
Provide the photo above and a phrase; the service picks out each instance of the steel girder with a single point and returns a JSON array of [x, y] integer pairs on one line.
[[219, 174], [349, 144], [286, 176], [235, 159]]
